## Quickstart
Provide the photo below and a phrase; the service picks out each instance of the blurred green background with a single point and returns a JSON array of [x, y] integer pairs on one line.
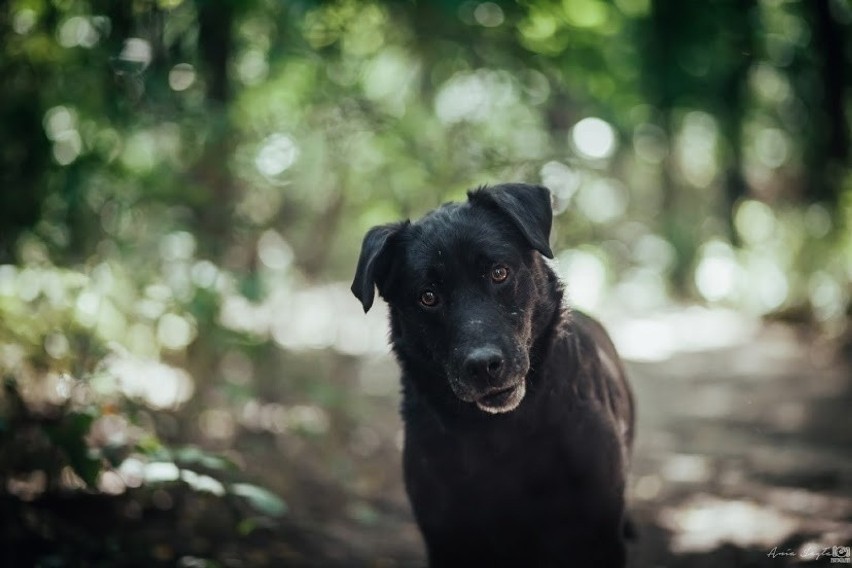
[[183, 190]]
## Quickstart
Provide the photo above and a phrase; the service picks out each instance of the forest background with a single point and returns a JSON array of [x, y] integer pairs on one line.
[[184, 185]]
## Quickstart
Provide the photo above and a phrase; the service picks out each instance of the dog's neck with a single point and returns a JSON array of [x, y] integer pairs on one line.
[[547, 311]]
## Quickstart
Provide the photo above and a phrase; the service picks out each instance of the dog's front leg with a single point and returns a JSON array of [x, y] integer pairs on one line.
[[607, 549], [448, 548]]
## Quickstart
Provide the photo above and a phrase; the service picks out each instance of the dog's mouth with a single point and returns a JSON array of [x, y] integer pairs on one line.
[[503, 400]]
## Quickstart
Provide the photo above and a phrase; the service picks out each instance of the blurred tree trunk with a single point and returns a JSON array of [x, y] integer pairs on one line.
[[25, 151], [829, 151], [734, 101], [120, 16], [664, 82], [212, 171], [661, 70]]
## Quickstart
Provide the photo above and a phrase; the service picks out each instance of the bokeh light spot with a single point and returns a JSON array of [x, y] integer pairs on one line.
[[253, 67], [649, 143], [772, 147], [24, 21], [716, 274], [585, 274], [273, 251], [585, 13], [488, 14], [174, 332], [136, 52], [593, 138], [277, 153], [181, 76], [77, 31], [602, 200], [562, 181], [754, 221]]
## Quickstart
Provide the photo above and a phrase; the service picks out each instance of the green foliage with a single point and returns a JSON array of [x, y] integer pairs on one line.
[[261, 499], [69, 436], [191, 455]]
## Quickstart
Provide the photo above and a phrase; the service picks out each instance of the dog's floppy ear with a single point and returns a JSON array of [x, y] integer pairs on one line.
[[375, 261], [528, 206]]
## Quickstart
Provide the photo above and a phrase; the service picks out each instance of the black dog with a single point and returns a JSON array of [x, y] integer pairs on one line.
[[518, 417]]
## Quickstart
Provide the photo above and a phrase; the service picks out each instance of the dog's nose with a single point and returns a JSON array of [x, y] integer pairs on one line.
[[483, 362]]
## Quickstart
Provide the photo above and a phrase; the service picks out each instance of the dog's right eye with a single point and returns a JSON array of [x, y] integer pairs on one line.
[[499, 273], [429, 299]]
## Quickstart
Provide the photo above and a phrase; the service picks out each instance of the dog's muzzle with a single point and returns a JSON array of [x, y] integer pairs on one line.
[[490, 381], [503, 400]]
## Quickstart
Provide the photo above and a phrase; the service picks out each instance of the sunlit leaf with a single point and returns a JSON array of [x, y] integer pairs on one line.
[[194, 455], [246, 526], [151, 447], [261, 499]]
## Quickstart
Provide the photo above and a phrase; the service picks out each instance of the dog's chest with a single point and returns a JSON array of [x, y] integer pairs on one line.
[[490, 468]]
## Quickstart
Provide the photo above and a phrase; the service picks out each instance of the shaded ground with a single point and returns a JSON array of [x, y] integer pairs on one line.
[[742, 459], [743, 450]]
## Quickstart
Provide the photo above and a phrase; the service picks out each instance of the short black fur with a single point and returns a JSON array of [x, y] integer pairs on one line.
[[518, 416]]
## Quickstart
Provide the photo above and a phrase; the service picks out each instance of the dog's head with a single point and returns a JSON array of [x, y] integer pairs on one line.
[[465, 285]]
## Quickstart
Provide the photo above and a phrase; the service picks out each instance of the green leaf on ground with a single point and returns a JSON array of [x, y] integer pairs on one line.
[[261, 499]]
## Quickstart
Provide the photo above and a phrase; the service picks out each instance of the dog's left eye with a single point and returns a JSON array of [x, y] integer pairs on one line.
[[499, 273], [429, 298]]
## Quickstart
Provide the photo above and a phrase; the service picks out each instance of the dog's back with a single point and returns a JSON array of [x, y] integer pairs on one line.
[[618, 395]]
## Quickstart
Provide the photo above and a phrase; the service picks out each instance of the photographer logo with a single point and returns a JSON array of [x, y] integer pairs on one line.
[[841, 555]]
